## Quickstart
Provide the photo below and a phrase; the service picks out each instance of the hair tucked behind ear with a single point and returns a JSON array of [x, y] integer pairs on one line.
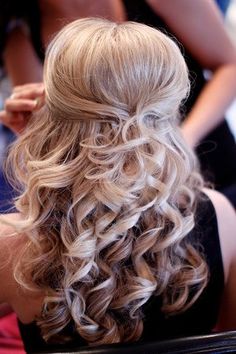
[[108, 185]]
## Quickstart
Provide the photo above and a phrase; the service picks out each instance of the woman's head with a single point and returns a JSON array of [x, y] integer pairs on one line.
[[107, 184], [100, 69]]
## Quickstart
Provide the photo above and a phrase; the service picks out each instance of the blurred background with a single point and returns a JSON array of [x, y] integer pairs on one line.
[[231, 27]]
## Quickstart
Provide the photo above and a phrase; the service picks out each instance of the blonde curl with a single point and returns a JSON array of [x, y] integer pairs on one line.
[[108, 187]]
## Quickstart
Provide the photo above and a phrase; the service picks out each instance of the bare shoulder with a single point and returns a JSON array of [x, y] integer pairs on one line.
[[220, 202], [10, 239], [9, 245], [226, 219], [5, 223], [26, 304]]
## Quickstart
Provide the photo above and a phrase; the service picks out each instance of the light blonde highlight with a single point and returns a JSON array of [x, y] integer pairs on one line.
[[108, 186]]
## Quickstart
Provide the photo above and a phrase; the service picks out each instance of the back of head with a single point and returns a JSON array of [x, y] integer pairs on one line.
[[108, 185], [99, 68]]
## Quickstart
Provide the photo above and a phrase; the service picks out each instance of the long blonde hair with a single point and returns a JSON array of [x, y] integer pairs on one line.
[[108, 186]]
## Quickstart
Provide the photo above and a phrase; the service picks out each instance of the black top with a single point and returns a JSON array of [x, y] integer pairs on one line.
[[199, 319], [217, 151]]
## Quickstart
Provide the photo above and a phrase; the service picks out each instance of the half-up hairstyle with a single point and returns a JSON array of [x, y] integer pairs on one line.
[[108, 186]]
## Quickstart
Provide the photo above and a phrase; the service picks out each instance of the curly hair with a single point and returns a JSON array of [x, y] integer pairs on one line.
[[108, 186]]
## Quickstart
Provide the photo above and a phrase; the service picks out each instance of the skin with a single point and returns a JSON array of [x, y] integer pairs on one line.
[[25, 303], [54, 15], [18, 72], [226, 218], [24, 100], [5, 310], [28, 305], [200, 27]]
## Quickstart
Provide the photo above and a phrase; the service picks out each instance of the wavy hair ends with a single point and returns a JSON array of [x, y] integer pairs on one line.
[[108, 185]]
